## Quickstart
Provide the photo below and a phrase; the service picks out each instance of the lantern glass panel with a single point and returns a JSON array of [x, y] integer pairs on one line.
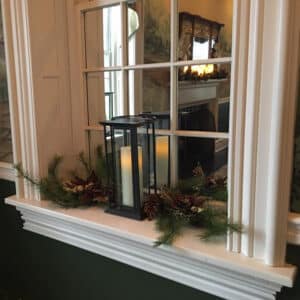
[[145, 143], [122, 168]]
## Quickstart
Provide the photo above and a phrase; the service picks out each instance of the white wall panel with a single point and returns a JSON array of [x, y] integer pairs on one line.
[[50, 65]]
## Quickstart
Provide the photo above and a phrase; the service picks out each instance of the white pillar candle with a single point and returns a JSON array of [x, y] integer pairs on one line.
[[162, 160], [126, 174]]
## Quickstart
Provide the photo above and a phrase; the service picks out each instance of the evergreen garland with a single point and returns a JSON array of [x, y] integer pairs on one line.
[[197, 202], [76, 192]]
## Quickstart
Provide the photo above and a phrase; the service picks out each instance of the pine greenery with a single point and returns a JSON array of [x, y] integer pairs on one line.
[[197, 202], [191, 203], [170, 227], [52, 188]]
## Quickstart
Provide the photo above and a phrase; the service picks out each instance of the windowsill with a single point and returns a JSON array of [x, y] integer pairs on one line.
[[205, 266], [7, 171]]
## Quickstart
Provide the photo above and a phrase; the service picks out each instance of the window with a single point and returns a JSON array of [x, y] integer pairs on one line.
[[257, 120], [171, 62], [5, 129], [200, 50]]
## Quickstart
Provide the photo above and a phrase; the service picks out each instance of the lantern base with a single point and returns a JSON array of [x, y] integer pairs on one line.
[[125, 212]]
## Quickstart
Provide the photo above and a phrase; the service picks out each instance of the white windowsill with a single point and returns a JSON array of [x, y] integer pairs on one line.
[[201, 265], [7, 171]]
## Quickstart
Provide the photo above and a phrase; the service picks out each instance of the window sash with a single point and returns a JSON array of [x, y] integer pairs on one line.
[[173, 64]]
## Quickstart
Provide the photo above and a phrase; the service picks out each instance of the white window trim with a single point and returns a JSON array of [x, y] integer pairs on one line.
[[20, 89], [261, 239]]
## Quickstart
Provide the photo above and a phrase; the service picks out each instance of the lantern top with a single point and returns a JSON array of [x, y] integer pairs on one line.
[[128, 121]]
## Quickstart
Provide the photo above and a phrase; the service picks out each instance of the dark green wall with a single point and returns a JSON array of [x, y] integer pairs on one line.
[[33, 267]]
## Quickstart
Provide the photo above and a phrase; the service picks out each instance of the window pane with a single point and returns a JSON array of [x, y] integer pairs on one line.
[[203, 97], [149, 92], [205, 29], [210, 154], [109, 102], [162, 153], [5, 129], [148, 31], [102, 30]]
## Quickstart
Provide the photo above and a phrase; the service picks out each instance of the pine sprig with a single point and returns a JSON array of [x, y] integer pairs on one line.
[[83, 160], [100, 167], [170, 227], [73, 193], [216, 223], [25, 175], [50, 186], [53, 190], [198, 203]]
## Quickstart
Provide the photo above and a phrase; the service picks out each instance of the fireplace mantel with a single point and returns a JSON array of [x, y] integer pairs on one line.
[[195, 93]]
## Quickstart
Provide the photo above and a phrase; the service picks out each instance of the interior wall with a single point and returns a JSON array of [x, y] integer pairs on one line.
[[50, 71]]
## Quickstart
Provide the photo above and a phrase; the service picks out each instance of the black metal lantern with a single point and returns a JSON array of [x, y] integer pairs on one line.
[[130, 156]]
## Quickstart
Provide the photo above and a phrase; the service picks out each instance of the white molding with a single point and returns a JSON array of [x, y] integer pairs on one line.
[[228, 276], [266, 154], [294, 229], [237, 117], [251, 124], [21, 87], [282, 136]]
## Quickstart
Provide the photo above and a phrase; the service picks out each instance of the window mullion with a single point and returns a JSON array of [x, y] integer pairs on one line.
[[222, 60], [124, 73], [83, 81], [173, 94]]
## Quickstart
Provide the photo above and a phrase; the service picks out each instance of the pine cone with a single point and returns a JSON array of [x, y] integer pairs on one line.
[[198, 171], [183, 202], [151, 206], [199, 201]]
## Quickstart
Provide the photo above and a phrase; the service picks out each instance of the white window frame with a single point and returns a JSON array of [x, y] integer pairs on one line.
[[259, 177], [245, 135]]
